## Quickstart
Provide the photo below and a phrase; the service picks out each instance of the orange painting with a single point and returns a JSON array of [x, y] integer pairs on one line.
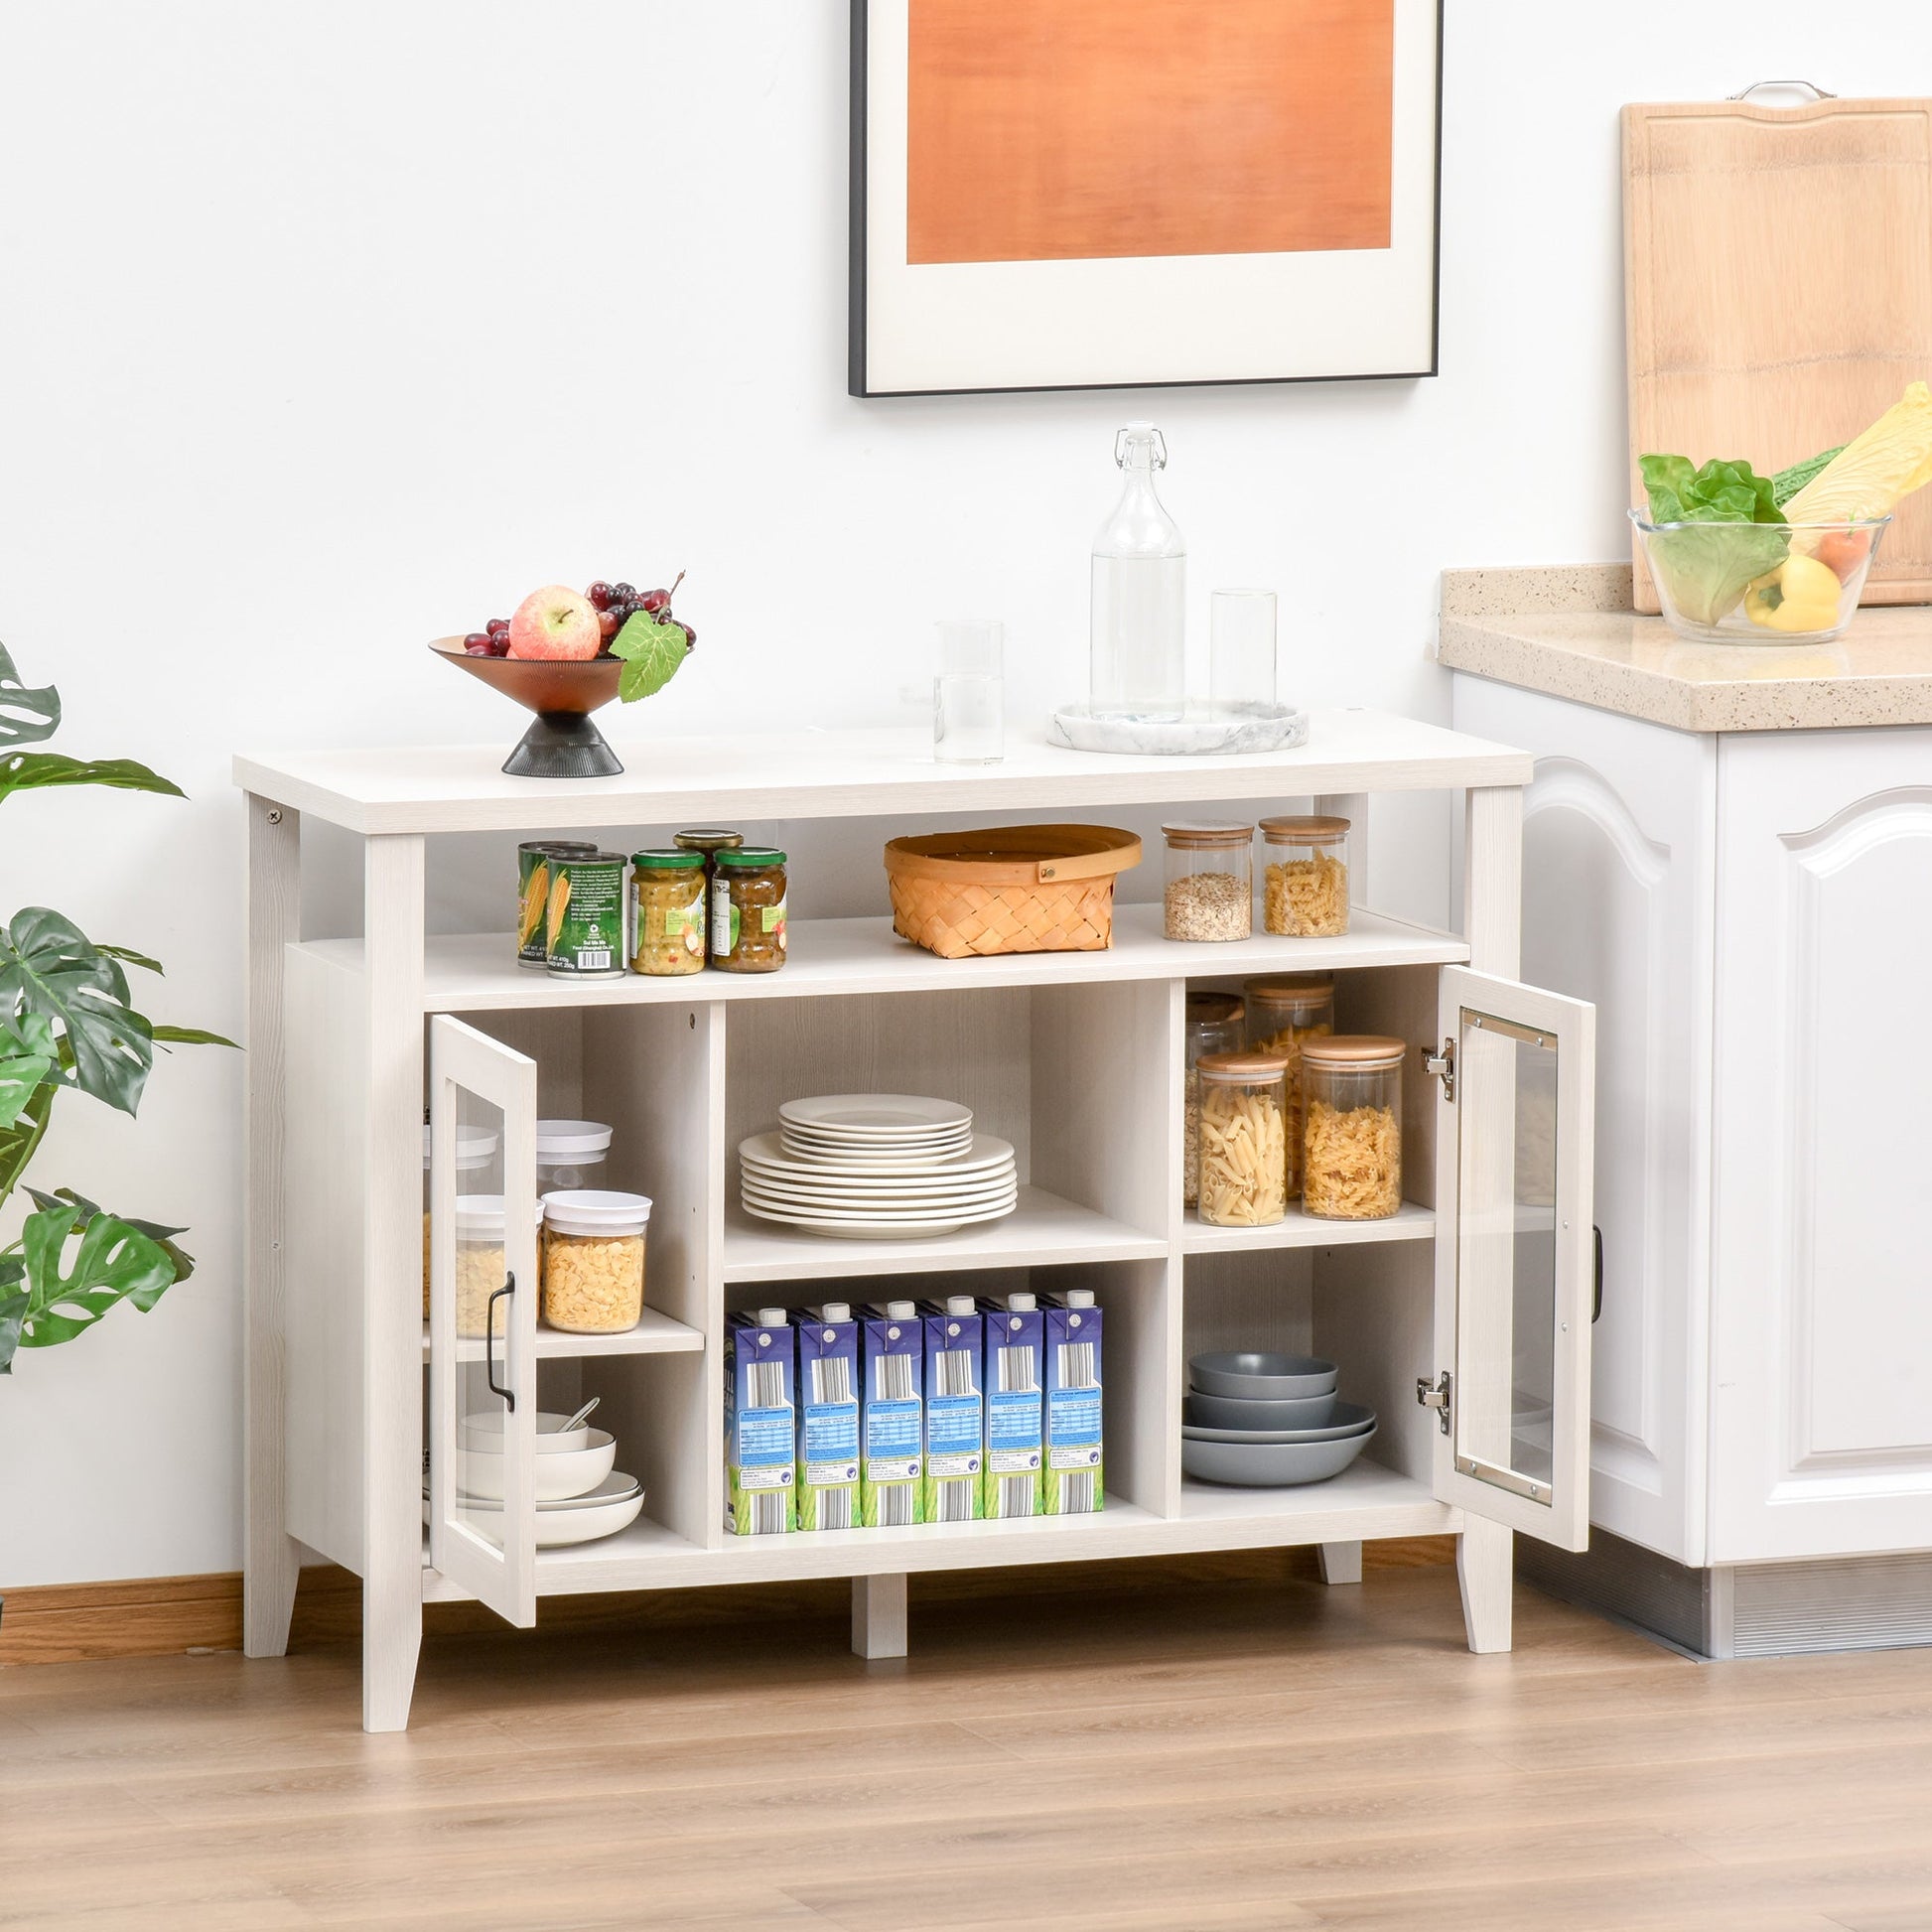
[[1062, 130]]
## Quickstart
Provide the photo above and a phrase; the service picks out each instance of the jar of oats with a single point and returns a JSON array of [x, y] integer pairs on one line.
[[1305, 877], [476, 1151], [480, 1263], [1241, 1174], [1351, 1148], [593, 1260], [1211, 880], [1284, 1009], [1213, 1027]]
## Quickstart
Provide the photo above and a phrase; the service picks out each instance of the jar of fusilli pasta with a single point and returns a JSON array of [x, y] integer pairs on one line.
[[1351, 1131], [1284, 1009], [1241, 1167], [1305, 877], [1213, 1027]]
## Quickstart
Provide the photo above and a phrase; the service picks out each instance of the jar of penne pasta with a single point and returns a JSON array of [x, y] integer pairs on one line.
[[1241, 1169], [1305, 877], [1351, 1137], [1213, 1027]]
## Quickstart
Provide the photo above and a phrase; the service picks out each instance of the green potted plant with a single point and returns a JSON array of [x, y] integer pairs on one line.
[[66, 1021]]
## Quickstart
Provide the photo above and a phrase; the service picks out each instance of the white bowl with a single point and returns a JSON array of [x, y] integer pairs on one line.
[[616, 1503], [564, 1473], [484, 1431]]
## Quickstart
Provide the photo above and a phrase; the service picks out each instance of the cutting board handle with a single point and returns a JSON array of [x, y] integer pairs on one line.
[[1817, 92]]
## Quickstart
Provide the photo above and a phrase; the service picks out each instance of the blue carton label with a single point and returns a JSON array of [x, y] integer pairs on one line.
[[955, 1415], [1074, 1482], [893, 1426], [1014, 1412], [828, 1423], [761, 1425]]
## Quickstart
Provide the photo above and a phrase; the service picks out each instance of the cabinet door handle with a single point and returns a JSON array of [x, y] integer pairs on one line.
[[489, 1341], [1597, 1292]]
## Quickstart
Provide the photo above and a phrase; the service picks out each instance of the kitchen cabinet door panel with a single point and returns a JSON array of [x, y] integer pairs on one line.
[[1822, 1437], [1618, 848]]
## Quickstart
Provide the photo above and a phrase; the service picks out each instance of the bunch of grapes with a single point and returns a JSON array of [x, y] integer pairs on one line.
[[492, 641], [614, 604]]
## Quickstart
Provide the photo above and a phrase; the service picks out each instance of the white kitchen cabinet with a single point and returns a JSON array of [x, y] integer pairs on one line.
[[1464, 1319], [1750, 912]]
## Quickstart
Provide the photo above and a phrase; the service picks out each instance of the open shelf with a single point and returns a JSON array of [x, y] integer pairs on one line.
[[654, 1335], [477, 972], [1299, 1230], [1366, 1501], [1042, 1230]]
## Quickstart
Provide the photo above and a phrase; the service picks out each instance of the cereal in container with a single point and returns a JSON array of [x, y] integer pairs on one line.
[[1351, 1158], [1211, 880], [1284, 1009], [1213, 1027], [476, 1153], [1304, 877], [593, 1260], [1242, 1172], [481, 1264]]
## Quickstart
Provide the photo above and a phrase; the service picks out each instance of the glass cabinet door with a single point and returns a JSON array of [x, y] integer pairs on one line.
[[1514, 1254], [481, 1234]]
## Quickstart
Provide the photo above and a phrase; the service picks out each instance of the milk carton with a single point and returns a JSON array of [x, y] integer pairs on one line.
[[1074, 1466], [828, 1418], [891, 1448], [760, 1435], [955, 1413], [1015, 1437]]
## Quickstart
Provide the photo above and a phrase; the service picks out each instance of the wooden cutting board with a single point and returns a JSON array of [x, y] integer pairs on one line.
[[1778, 290]]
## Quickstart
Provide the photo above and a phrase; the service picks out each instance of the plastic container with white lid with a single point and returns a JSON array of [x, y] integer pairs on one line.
[[476, 1150], [593, 1260], [480, 1266], [569, 1151]]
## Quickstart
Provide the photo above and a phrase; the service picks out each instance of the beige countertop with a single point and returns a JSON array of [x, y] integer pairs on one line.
[[1571, 632]]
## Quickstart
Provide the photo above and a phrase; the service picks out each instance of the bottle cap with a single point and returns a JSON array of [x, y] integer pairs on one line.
[[771, 1318], [1079, 1298], [1020, 1303], [836, 1311], [901, 1311], [960, 1305]]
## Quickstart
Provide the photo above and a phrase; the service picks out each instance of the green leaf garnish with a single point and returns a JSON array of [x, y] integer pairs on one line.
[[652, 649]]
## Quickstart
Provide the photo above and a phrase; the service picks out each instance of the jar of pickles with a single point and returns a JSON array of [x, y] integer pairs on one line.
[[1211, 880], [1351, 1150], [1305, 877], [1241, 1173], [748, 911], [667, 912], [1213, 1025], [1284, 1009]]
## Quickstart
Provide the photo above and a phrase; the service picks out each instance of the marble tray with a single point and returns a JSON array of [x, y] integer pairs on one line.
[[1205, 731]]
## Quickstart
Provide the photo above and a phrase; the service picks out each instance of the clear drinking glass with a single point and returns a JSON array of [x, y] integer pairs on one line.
[[969, 692], [1241, 650]]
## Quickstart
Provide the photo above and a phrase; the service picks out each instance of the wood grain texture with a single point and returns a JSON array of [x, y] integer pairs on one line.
[[1211, 1742], [1065, 131], [1778, 290]]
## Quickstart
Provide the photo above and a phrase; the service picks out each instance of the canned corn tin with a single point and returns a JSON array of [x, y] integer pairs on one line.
[[536, 862], [583, 923]]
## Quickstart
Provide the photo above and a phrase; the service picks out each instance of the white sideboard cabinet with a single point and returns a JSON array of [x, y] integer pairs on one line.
[[1464, 1319], [1748, 905]]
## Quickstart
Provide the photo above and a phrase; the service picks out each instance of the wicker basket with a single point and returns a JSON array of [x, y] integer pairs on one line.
[[1013, 888]]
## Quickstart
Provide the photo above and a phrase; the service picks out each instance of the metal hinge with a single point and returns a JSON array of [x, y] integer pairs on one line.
[[1436, 1398], [1442, 1065]]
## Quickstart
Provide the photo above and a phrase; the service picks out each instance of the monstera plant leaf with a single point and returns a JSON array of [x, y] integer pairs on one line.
[[163, 1237], [28, 1055], [30, 770], [26, 716], [49, 967], [40, 1305]]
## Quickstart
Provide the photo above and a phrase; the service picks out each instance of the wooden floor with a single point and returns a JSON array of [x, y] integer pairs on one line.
[[1217, 1743]]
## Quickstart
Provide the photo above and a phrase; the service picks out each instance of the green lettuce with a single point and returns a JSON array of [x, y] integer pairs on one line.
[[1787, 482], [1725, 529]]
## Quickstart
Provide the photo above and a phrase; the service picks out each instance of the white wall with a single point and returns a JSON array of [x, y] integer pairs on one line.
[[328, 329]]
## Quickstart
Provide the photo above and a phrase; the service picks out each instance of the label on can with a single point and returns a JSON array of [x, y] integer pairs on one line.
[[584, 917], [536, 863]]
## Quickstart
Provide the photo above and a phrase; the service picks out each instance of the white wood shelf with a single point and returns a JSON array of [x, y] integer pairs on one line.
[[476, 972], [846, 774], [1365, 1501], [1042, 1230], [654, 1335], [1299, 1230]]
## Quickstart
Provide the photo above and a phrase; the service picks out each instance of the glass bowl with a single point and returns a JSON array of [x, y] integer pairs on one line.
[[1759, 583]]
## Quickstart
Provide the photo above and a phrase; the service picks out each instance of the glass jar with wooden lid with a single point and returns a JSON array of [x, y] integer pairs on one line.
[[1284, 1009], [1351, 1136], [1211, 880], [1241, 1169], [1305, 877], [1213, 1025]]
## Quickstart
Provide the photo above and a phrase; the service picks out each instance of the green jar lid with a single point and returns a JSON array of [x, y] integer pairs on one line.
[[751, 855], [660, 860]]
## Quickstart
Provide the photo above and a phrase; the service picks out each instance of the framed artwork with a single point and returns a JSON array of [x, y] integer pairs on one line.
[[1104, 194]]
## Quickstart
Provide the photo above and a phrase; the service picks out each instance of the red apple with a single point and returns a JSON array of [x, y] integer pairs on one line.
[[555, 622]]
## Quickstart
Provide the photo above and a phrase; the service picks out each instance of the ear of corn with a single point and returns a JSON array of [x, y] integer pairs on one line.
[[536, 890], [559, 903]]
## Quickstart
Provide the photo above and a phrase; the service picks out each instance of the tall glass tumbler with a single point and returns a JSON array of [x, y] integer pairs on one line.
[[969, 692], [1241, 650]]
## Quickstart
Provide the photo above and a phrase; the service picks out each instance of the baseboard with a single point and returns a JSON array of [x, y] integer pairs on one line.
[[162, 1617]]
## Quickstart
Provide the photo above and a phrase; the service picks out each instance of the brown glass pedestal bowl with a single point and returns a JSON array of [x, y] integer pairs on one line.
[[561, 742]]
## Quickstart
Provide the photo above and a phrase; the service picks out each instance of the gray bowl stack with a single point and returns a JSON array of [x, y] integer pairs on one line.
[[1269, 1421]]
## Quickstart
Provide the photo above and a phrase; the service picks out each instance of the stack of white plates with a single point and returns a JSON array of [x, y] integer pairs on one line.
[[877, 1168]]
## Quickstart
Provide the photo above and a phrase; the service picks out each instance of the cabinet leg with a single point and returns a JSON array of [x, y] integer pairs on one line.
[[1484, 1562], [392, 1639], [268, 1590], [1341, 1563], [879, 1616]]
